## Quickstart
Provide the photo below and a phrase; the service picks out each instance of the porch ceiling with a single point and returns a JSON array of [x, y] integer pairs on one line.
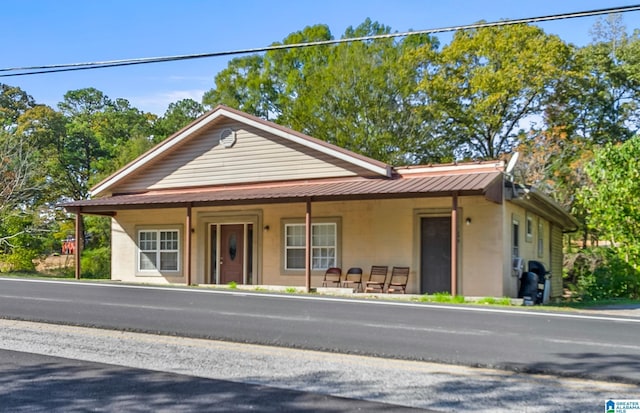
[[287, 192]]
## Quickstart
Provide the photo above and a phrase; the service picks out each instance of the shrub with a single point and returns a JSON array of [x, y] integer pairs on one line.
[[20, 259], [600, 273], [96, 263]]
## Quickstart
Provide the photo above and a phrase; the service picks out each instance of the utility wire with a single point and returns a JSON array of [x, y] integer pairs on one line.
[[34, 70]]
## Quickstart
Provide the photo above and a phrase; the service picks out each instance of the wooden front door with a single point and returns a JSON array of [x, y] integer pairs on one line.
[[231, 253], [435, 255]]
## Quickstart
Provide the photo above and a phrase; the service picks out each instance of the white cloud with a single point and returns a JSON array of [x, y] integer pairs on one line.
[[203, 79], [158, 102]]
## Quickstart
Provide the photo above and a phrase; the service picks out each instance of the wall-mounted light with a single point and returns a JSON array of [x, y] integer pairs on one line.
[[467, 221], [266, 227]]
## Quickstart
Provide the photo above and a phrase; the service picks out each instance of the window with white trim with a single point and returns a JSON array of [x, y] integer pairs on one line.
[[324, 244], [515, 237], [529, 228], [158, 250], [540, 239]]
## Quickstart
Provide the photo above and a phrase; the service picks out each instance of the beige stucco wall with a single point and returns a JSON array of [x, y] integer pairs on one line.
[[528, 247], [481, 248], [376, 232], [124, 250]]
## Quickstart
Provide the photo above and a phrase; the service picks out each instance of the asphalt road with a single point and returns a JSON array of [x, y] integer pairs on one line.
[[530, 341], [39, 383]]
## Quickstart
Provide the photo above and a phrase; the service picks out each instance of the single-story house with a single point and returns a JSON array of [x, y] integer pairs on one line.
[[234, 198]]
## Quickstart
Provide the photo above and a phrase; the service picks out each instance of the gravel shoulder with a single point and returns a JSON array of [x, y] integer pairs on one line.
[[405, 383]]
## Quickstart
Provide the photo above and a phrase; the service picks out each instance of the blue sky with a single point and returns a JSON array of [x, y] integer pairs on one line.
[[39, 32]]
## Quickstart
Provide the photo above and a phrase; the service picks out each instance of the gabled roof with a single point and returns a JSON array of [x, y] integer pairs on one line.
[[174, 141]]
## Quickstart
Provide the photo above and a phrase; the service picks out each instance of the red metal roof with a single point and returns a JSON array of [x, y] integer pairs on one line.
[[444, 184]]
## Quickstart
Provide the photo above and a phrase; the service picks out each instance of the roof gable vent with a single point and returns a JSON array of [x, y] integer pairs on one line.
[[227, 138]]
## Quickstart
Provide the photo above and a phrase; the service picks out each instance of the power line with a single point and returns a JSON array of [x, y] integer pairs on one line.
[[35, 70]]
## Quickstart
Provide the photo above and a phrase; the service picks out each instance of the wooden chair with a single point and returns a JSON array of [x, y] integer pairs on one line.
[[332, 276], [353, 278], [377, 279], [399, 279]]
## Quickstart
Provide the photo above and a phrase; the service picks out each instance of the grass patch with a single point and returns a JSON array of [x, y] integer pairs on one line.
[[291, 290], [494, 301], [64, 275], [232, 285], [442, 298], [447, 298]]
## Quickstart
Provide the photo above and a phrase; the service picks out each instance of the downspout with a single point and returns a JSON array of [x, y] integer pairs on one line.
[[79, 241], [307, 252], [454, 244], [187, 265]]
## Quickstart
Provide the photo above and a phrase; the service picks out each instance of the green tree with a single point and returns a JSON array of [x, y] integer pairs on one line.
[[611, 202], [79, 149], [21, 182], [13, 103], [101, 135], [242, 85], [488, 82], [43, 129], [123, 132], [594, 102], [291, 76], [178, 115], [359, 95], [363, 96]]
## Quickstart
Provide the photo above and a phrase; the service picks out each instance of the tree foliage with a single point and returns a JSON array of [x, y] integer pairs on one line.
[[488, 81], [613, 210], [178, 115], [361, 96], [612, 196]]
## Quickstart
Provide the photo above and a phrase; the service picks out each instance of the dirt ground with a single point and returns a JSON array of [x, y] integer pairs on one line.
[[54, 262]]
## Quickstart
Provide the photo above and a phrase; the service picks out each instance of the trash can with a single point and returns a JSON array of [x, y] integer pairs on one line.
[[543, 281], [528, 288]]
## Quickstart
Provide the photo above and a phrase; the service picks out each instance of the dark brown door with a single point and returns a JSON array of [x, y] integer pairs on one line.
[[231, 253], [435, 255]]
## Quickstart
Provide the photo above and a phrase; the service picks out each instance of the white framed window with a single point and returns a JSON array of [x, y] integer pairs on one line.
[[515, 237], [158, 250], [324, 245], [540, 239], [529, 228]]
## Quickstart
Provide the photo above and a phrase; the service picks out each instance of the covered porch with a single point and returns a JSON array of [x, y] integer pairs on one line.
[[363, 212]]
